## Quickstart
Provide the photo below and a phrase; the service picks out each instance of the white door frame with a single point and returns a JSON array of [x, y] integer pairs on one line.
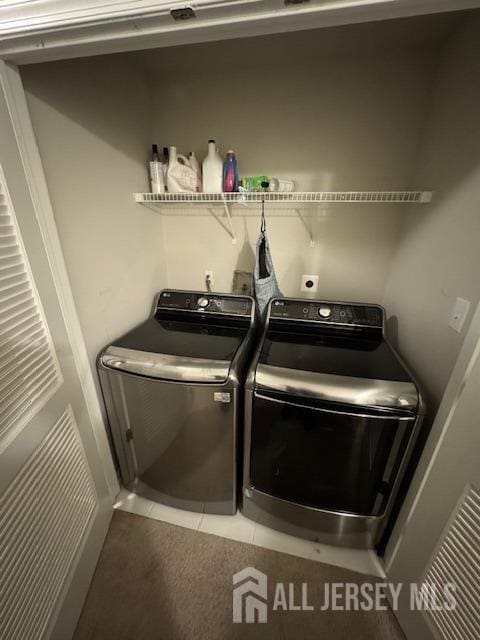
[[37, 185]]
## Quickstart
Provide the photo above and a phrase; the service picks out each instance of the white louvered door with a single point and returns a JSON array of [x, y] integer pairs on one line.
[[29, 370], [55, 506], [440, 538]]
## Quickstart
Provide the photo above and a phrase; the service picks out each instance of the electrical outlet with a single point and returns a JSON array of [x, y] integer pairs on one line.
[[309, 284], [459, 313]]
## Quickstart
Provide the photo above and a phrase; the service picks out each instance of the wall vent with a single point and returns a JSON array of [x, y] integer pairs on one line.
[[457, 560], [44, 515], [29, 371]]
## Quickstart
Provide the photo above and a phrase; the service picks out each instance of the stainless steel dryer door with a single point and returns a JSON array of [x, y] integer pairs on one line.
[[324, 457], [175, 442]]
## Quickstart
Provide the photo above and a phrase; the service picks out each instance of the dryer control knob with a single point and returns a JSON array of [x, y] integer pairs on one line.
[[324, 312], [203, 302]]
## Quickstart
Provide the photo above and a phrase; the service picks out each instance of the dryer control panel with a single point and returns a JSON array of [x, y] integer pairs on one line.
[[336, 313], [205, 302]]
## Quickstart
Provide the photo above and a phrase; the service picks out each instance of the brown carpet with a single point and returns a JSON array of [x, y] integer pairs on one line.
[[156, 581]]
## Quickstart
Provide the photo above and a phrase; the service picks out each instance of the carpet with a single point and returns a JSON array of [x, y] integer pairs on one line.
[[156, 581]]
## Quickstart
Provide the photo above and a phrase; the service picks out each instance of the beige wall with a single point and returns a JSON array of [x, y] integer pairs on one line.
[[341, 109], [91, 120], [438, 258]]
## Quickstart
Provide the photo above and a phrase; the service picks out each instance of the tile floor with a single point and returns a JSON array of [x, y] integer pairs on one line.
[[239, 528]]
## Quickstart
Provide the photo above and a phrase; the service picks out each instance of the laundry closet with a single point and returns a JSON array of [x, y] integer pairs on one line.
[[366, 107], [380, 117]]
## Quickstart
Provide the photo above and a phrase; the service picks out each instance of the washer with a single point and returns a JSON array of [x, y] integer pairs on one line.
[[331, 416], [173, 389]]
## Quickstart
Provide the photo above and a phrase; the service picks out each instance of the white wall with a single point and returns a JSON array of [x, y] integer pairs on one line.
[[337, 109], [91, 120], [438, 256]]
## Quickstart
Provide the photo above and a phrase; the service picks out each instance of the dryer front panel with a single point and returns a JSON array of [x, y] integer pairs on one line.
[[331, 458]]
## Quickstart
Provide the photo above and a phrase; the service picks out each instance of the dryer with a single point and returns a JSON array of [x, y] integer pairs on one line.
[[331, 416], [173, 389]]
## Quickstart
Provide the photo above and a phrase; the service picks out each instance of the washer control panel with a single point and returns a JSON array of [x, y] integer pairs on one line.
[[204, 302], [341, 313]]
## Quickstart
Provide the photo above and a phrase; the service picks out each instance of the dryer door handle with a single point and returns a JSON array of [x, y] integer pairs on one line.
[[347, 390], [361, 413]]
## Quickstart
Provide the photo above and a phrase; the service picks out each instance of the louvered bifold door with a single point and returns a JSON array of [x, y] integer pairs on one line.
[[44, 515], [29, 371], [457, 561], [55, 503]]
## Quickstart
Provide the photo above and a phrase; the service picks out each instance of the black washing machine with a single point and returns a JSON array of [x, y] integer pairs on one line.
[[331, 416]]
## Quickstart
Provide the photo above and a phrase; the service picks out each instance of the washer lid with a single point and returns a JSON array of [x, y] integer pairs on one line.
[[348, 390], [165, 367], [188, 339], [350, 354]]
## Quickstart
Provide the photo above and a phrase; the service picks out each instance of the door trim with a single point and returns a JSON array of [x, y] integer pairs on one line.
[[11, 84]]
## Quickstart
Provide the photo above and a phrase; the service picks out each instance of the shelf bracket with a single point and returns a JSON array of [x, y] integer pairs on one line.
[[229, 226], [230, 222], [307, 227]]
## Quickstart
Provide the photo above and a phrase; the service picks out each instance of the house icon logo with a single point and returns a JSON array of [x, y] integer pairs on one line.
[[249, 596]]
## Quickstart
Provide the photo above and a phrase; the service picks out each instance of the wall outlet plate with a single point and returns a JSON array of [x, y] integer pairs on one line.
[[459, 313], [309, 283], [242, 282]]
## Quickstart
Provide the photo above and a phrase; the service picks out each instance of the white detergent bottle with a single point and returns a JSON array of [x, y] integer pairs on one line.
[[181, 178], [192, 158], [212, 170]]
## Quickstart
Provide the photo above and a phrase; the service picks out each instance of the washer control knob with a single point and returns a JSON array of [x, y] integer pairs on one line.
[[203, 302], [324, 312]]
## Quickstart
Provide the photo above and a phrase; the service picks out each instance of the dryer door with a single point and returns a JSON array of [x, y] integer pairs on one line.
[[327, 457]]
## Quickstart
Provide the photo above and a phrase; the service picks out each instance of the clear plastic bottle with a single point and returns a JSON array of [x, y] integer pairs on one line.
[[157, 177]]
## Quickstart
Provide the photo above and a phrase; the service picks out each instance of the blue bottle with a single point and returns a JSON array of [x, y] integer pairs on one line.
[[230, 173]]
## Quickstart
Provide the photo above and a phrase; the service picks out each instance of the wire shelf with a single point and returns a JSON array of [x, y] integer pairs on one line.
[[302, 204], [284, 197]]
